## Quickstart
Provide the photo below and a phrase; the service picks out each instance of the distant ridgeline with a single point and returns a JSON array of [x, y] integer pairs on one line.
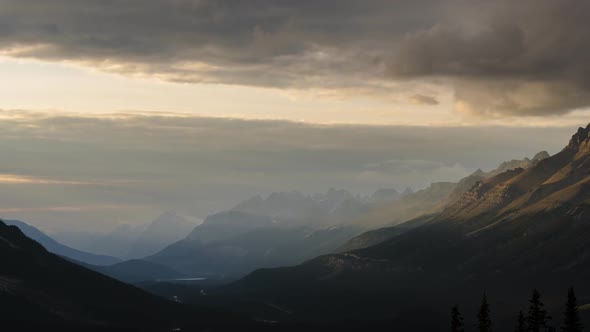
[[288, 228]]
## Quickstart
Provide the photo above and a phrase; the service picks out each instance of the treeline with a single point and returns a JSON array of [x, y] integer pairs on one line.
[[536, 320]]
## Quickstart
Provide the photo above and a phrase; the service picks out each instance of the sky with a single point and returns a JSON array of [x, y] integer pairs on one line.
[[115, 111]]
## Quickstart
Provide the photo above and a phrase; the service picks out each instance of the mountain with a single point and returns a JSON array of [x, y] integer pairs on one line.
[[134, 241], [407, 191], [116, 242], [341, 205], [59, 249], [288, 227], [282, 229], [208, 245], [384, 195], [414, 208], [164, 230], [336, 206], [374, 237], [40, 288], [291, 205], [275, 231], [519, 229], [425, 201], [333, 207], [468, 182], [232, 243]]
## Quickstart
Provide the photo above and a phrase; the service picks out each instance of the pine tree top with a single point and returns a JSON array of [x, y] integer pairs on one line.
[[571, 315]]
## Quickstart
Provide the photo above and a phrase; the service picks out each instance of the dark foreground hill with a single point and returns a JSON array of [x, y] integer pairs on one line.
[[514, 231], [38, 288]]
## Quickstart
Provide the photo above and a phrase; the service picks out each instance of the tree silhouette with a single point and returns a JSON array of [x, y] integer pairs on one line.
[[537, 317], [520, 323], [483, 317], [456, 320], [571, 316]]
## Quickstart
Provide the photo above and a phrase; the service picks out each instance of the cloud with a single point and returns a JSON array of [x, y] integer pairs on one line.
[[78, 208], [198, 166], [401, 166], [267, 44], [17, 179], [501, 57], [423, 100], [519, 58]]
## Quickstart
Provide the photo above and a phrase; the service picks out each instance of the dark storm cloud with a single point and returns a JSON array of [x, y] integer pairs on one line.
[[507, 57], [501, 57], [264, 42]]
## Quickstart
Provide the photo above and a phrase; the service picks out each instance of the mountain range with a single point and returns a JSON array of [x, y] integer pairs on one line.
[[288, 228], [231, 244], [510, 232], [416, 208], [164, 230], [284, 228], [336, 206]]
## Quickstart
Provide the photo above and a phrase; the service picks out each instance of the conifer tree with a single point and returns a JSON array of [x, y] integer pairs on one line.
[[571, 316], [538, 317], [520, 323], [483, 317], [456, 320]]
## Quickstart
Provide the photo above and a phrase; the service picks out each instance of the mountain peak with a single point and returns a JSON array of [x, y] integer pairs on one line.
[[479, 172], [541, 155], [579, 139], [407, 191], [384, 195]]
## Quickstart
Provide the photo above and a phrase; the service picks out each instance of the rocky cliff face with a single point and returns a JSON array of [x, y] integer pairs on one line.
[[579, 139], [541, 155], [550, 182], [579, 143]]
